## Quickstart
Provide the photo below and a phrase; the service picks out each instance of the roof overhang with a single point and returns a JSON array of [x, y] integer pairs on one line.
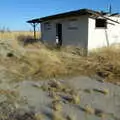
[[63, 15], [34, 21], [72, 13]]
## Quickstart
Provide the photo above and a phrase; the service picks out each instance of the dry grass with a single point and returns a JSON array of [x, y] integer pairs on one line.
[[104, 62], [39, 116], [89, 109], [106, 91], [76, 99], [15, 34], [38, 61], [10, 104], [57, 116], [71, 117], [56, 105]]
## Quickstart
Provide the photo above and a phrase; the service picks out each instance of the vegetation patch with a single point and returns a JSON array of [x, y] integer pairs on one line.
[[35, 60]]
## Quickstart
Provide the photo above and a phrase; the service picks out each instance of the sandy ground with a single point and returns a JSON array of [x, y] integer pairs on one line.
[[89, 90]]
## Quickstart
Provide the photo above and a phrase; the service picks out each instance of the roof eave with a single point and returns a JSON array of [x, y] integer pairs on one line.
[[69, 14], [62, 15], [34, 21]]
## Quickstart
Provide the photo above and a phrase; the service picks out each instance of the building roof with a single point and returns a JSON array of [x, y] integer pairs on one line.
[[62, 15], [69, 14]]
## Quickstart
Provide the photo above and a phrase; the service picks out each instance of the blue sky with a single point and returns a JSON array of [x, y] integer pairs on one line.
[[15, 13]]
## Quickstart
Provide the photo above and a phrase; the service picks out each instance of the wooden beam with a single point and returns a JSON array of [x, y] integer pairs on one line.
[[34, 29]]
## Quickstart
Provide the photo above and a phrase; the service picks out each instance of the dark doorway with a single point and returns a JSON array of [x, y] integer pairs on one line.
[[59, 34]]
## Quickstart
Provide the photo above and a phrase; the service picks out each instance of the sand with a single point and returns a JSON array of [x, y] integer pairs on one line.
[[90, 91]]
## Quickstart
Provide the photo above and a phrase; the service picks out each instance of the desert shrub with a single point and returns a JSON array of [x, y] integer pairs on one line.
[[10, 54], [11, 104], [15, 107], [25, 40], [105, 62], [74, 50], [39, 61]]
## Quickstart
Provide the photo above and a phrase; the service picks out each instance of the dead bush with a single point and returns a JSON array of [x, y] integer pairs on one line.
[[25, 40]]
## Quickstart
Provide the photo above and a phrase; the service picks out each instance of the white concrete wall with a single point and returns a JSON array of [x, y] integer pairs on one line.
[[78, 37], [99, 37]]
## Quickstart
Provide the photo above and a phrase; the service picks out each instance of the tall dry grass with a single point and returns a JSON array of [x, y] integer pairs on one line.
[[14, 34], [106, 62], [38, 61]]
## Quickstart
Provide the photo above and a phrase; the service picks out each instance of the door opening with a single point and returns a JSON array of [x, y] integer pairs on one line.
[[59, 34]]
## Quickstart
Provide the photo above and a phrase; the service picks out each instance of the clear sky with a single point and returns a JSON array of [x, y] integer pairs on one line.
[[15, 13]]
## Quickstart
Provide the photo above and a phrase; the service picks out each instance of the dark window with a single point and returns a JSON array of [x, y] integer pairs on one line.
[[101, 23], [47, 26], [73, 24]]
